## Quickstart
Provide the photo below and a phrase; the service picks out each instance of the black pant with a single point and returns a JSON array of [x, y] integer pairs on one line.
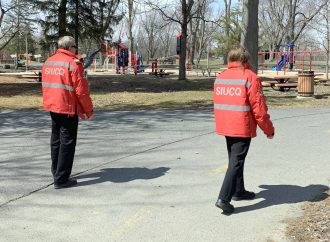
[[233, 184], [63, 144]]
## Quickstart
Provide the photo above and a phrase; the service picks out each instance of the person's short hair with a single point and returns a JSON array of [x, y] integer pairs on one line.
[[239, 54], [66, 42]]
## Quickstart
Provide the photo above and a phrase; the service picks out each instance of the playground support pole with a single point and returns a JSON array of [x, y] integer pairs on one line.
[[310, 60], [262, 63], [277, 64], [284, 62], [26, 53], [303, 60]]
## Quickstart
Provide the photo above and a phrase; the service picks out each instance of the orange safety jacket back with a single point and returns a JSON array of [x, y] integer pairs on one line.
[[64, 88], [239, 104]]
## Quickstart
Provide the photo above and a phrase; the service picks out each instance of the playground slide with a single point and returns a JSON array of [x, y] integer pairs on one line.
[[89, 60], [279, 66]]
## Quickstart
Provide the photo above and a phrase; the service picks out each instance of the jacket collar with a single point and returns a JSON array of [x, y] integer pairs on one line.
[[232, 65], [66, 52]]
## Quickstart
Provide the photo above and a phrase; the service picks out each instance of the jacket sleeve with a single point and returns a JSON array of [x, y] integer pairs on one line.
[[259, 107], [80, 86]]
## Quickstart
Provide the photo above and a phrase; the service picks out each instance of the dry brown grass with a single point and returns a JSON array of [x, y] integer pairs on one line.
[[313, 225], [146, 92]]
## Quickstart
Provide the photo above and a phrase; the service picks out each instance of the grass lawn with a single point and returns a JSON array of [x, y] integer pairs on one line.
[[146, 92]]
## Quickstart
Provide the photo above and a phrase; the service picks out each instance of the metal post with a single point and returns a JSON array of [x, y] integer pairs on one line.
[[310, 60], [26, 53], [208, 51]]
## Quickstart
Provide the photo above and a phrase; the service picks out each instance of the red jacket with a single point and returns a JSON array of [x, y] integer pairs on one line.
[[64, 88], [239, 104]]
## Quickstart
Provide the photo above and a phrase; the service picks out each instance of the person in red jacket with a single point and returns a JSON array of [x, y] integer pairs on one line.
[[65, 96], [239, 106]]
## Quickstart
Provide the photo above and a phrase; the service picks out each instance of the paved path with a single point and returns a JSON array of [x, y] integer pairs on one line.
[[154, 176]]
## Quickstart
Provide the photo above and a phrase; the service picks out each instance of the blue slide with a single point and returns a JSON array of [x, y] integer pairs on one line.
[[280, 65], [90, 59]]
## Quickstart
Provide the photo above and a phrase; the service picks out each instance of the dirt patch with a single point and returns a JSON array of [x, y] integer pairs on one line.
[[313, 225]]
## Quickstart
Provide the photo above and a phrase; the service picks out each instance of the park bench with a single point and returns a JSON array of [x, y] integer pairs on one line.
[[318, 80], [268, 83], [206, 71], [161, 73], [286, 86], [36, 76]]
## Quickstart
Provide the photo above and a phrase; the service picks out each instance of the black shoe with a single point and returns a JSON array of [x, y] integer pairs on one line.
[[226, 207], [246, 195], [69, 183]]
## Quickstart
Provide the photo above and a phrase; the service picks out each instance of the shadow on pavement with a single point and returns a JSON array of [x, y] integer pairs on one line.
[[118, 175], [285, 194]]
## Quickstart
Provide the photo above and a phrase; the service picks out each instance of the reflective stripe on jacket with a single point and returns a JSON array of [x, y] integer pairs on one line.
[[64, 88], [239, 105]]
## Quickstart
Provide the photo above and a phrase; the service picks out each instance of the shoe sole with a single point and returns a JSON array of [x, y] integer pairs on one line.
[[60, 187], [225, 212], [240, 199]]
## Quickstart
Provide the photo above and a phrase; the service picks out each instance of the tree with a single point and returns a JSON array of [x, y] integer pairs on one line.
[[289, 19], [182, 16], [149, 39], [322, 26], [13, 18], [229, 34], [130, 24], [86, 20], [98, 17], [249, 38], [231, 26], [292, 35]]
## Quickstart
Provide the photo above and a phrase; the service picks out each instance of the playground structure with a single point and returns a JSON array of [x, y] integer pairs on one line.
[[298, 60], [120, 58]]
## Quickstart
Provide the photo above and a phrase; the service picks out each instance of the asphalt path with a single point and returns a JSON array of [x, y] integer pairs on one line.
[[155, 176]]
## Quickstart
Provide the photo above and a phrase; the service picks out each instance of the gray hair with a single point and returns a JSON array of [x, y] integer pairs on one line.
[[66, 42]]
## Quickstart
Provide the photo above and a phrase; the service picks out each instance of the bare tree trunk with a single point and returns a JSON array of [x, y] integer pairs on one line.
[[76, 23], [130, 25], [227, 30], [201, 42], [186, 17], [249, 39], [328, 40], [183, 52], [2, 13], [62, 18], [192, 42]]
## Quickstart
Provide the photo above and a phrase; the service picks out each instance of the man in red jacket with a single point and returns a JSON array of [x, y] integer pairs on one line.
[[65, 96], [239, 106]]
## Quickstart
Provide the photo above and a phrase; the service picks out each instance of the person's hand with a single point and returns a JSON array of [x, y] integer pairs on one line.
[[90, 117], [270, 136]]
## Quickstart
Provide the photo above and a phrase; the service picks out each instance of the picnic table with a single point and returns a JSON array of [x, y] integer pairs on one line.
[[280, 83], [160, 73], [25, 75]]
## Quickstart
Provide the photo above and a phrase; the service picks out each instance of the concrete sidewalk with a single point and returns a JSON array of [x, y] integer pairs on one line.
[[155, 175]]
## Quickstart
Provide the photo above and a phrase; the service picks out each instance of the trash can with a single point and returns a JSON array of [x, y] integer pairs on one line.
[[305, 83]]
